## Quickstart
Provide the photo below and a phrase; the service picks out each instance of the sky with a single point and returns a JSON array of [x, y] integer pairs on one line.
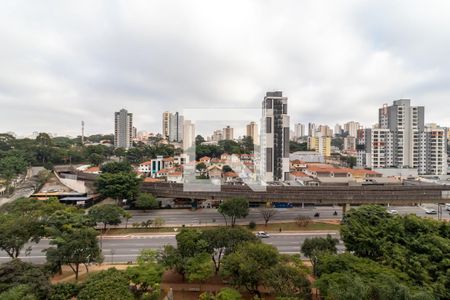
[[62, 62]]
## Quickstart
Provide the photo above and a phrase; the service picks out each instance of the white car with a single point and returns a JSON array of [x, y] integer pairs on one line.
[[430, 211], [262, 234], [392, 212], [447, 206]]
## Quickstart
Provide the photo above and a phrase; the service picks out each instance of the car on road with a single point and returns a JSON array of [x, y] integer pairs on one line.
[[430, 211], [262, 234], [447, 206], [392, 211]]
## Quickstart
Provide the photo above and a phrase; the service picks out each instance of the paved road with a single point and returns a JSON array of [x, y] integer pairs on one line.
[[124, 249], [178, 217]]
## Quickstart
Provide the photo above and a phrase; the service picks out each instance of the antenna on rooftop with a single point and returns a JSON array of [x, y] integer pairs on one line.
[[82, 132]]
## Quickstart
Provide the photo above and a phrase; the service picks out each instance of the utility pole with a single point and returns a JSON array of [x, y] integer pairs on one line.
[[82, 132]]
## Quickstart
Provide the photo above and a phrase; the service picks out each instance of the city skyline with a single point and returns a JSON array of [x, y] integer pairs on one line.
[[336, 61]]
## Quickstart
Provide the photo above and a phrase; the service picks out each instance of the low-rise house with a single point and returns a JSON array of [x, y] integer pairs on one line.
[[214, 172], [297, 165], [206, 160], [217, 162], [145, 167], [175, 177], [168, 162], [231, 177]]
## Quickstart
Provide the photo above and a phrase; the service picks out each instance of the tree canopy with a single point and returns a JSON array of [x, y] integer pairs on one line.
[[417, 247], [247, 266], [234, 208], [118, 185], [111, 284]]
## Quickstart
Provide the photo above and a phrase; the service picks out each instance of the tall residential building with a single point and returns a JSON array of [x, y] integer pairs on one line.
[[311, 129], [275, 140], [299, 131], [325, 130], [403, 141], [349, 143], [176, 122], [217, 136], [433, 157], [188, 134], [320, 144], [406, 122], [338, 130], [166, 124], [252, 131], [351, 128], [123, 129], [228, 133]]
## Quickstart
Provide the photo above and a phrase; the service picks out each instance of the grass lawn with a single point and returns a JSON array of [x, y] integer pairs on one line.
[[271, 227]]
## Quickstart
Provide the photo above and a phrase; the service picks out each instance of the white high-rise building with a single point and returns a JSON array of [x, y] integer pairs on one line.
[[275, 137], [188, 134], [311, 129], [176, 123], [403, 141], [351, 128], [299, 131], [433, 152], [123, 129]]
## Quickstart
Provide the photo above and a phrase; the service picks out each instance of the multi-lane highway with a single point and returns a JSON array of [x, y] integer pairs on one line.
[[127, 248], [177, 217]]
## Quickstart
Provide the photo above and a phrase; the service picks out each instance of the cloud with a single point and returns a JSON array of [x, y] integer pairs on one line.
[[62, 62]]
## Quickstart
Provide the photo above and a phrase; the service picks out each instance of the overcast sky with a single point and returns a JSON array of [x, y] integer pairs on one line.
[[66, 61]]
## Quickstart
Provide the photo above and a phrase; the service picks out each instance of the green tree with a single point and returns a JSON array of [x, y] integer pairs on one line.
[[199, 268], [200, 167], [119, 185], [146, 201], [294, 146], [107, 214], [199, 140], [363, 229], [234, 208], [346, 276], [146, 276], [226, 168], [314, 247], [224, 294], [15, 232], [18, 292], [224, 240], [116, 167], [418, 247], [247, 266], [10, 168], [189, 244], [120, 153], [96, 159], [107, 285], [17, 273], [64, 291], [247, 145], [289, 279], [77, 247]]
